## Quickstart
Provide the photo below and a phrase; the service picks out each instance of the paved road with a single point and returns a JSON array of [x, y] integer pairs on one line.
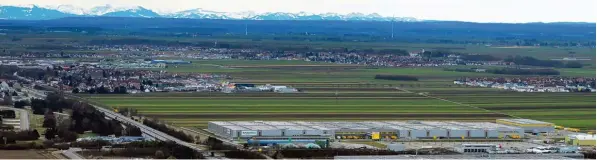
[[126, 120], [70, 153], [24, 117]]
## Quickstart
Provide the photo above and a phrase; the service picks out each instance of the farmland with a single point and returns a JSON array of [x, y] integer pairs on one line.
[[195, 109], [348, 92]]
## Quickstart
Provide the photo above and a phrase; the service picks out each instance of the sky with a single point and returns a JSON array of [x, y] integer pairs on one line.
[[509, 11]]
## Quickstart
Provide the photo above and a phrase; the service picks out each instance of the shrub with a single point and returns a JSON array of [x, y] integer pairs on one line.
[[90, 144], [573, 64], [48, 143], [162, 127], [62, 146], [238, 154], [517, 71], [396, 77]]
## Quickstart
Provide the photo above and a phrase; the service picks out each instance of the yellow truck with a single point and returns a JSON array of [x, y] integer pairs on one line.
[[514, 136], [573, 129]]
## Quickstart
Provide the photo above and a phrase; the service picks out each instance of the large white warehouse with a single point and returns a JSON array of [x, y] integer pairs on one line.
[[364, 130]]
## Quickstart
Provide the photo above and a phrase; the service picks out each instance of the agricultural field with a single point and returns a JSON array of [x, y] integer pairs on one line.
[[195, 109], [267, 43], [349, 92]]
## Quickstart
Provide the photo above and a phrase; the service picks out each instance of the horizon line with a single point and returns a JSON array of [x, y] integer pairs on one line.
[[162, 13]]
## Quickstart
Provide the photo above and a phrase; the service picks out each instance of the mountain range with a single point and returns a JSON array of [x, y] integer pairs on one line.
[[34, 12]]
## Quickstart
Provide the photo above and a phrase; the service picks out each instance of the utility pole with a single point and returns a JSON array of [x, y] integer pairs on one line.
[[336, 97], [392, 21]]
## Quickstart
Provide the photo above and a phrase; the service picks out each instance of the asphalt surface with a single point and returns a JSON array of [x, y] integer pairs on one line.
[[126, 120], [24, 117], [145, 129], [70, 153]]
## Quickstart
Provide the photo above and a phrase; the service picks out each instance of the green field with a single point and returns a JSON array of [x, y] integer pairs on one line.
[[266, 43], [194, 110], [359, 96]]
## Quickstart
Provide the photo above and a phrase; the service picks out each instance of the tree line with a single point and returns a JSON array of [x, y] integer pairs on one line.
[[154, 149], [396, 77], [84, 117], [510, 71], [164, 128], [530, 61]]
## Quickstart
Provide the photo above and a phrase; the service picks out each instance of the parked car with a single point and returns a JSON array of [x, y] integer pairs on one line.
[[538, 150], [106, 148]]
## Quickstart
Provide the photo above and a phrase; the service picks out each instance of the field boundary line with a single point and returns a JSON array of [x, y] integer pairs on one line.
[[462, 104]]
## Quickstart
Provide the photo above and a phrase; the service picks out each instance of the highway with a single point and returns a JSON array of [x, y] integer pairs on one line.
[[145, 129], [123, 119], [71, 153]]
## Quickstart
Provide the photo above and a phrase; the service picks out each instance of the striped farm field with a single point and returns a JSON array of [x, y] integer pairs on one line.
[[285, 105], [195, 109], [567, 109], [350, 93]]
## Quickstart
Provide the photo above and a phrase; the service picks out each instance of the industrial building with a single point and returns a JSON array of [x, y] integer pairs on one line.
[[475, 148], [364, 130], [580, 139], [470, 156], [529, 125]]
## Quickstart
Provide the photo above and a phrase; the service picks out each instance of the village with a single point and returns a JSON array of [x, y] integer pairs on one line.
[[125, 77], [380, 58], [533, 84]]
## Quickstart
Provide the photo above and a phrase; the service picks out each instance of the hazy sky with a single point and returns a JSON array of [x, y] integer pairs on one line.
[[463, 10]]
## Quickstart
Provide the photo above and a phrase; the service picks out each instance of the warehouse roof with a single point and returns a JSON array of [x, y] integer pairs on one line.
[[346, 125], [383, 125], [315, 125], [445, 125], [234, 127], [483, 125], [525, 121], [295, 127], [245, 123], [398, 125], [278, 123], [471, 156], [582, 136], [261, 127], [221, 123]]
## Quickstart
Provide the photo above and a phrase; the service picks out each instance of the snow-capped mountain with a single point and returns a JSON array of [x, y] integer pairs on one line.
[[197, 14], [33, 12], [67, 9], [134, 12], [30, 13]]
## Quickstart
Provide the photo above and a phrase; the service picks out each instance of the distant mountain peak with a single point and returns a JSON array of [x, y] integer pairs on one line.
[[20, 5], [60, 11]]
